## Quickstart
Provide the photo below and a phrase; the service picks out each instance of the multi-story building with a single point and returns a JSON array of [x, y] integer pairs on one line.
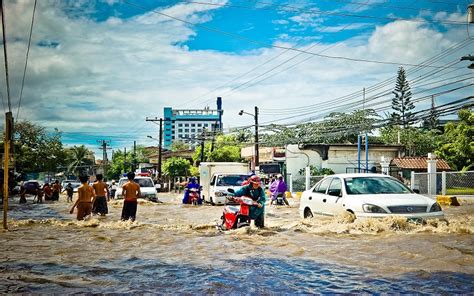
[[189, 125]]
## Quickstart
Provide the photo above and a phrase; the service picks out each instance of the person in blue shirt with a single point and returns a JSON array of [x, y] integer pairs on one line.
[[256, 192], [192, 183]]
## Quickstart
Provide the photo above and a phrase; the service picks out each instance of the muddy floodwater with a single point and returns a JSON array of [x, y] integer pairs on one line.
[[177, 249]]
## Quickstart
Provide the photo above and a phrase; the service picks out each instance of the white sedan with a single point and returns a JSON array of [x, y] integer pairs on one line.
[[366, 196]]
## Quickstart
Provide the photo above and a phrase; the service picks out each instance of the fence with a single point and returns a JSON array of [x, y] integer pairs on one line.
[[298, 183], [445, 183]]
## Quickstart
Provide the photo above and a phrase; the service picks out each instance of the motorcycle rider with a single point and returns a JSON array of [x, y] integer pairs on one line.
[[256, 192], [278, 188], [192, 183]]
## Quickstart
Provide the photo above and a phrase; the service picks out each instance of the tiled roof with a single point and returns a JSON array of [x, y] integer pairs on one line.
[[419, 163]]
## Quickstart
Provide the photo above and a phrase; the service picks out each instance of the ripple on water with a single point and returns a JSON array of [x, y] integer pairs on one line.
[[265, 275]]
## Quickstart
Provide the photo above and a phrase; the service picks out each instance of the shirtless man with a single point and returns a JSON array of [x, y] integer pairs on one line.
[[130, 192], [85, 198], [101, 191]]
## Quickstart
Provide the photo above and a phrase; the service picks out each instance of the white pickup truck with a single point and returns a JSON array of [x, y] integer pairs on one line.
[[217, 177]]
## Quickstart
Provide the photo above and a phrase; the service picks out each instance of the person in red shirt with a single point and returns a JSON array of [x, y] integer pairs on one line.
[[130, 192]]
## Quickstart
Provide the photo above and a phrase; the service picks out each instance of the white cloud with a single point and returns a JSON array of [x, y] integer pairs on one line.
[[124, 70]]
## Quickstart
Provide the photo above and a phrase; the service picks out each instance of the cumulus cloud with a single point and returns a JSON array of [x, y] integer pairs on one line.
[[123, 70]]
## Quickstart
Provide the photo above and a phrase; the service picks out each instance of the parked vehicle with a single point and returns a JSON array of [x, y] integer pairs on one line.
[[366, 196], [31, 187], [147, 188], [234, 217], [216, 177]]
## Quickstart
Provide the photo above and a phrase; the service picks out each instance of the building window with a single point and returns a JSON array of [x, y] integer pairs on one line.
[[193, 130], [193, 124], [206, 124], [180, 130], [186, 130], [186, 124], [180, 124], [199, 125], [172, 137], [199, 130]]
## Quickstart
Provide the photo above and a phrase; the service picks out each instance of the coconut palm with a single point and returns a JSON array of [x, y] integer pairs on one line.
[[79, 157]]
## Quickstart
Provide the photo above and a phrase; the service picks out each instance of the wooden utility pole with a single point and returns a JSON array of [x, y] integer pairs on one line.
[[6, 156], [160, 147]]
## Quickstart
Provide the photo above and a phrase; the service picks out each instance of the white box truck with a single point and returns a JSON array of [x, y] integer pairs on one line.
[[217, 177]]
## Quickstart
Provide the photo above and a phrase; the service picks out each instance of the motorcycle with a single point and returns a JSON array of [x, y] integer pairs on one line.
[[235, 217], [279, 201], [193, 196]]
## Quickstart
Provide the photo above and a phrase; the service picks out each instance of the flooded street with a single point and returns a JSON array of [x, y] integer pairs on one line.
[[173, 248]]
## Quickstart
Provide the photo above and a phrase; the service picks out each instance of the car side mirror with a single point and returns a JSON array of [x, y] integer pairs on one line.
[[416, 191], [230, 190]]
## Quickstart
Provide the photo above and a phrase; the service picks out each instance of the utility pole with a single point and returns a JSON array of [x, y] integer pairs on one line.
[[6, 156], [125, 159], [213, 136], [202, 144], [160, 147], [134, 161], [257, 159], [105, 161]]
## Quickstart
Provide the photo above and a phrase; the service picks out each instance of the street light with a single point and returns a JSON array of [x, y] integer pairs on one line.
[[255, 117]]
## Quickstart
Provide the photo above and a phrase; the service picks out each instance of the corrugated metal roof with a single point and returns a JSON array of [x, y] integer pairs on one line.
[[419, 163]]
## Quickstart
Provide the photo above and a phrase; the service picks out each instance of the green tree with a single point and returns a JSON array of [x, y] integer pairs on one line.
[[456, 145], [178, 145], [118, 166], [401, 103], [335, 128], [176, 166], [36, 150], [314, 171], [417, 141], [79, 159], [226, 148]]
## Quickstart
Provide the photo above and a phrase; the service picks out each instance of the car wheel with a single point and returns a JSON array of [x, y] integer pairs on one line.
[[351, 216], [307, 213]]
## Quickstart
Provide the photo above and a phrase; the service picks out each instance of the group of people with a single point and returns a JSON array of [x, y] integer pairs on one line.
[[93, 199], [46, 192]]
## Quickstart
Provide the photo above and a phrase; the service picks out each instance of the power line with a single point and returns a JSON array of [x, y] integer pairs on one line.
[[236, 36], [26, 60]]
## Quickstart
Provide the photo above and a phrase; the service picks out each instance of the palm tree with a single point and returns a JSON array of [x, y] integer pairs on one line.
[[78, 158]]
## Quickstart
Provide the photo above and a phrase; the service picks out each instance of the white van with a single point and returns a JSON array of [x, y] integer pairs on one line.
[[147, 188]]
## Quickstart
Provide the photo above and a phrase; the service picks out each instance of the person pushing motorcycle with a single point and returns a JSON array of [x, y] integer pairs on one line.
[[256, 192]]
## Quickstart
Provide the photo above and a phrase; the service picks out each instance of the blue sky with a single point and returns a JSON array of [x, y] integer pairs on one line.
[[97, 69]]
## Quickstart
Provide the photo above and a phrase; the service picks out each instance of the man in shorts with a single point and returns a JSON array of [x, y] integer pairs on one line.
[[101, 191], [85, 199], [130, 193]]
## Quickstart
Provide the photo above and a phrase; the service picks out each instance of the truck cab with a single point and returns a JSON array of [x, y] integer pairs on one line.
[[217, 177]]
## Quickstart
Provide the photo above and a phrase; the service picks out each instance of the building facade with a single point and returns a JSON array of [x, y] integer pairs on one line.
[[190, 125]]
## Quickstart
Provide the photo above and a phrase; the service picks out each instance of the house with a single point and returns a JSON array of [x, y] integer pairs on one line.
[[405, 165], [341, 158]]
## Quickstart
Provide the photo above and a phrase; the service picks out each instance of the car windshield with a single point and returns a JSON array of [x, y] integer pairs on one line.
[[374, 185], [75, 185], [231, 180], [143, 182]]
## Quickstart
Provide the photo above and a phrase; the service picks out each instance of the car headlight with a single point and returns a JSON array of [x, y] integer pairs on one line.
[[219, 193], [435, 207], [368, 208]]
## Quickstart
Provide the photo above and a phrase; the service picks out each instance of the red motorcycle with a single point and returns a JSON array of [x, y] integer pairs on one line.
[[193, 196], [235, 217]]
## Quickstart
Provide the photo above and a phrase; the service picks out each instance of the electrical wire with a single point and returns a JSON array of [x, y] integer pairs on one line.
[[250, 40], [26, 61]]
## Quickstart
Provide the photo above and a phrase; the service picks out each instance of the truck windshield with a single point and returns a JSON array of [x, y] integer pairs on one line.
[[231, 180]]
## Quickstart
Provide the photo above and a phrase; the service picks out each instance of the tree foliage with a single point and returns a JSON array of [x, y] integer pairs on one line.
[[226, 148], [36, 150], [79, 160], [456, 145], [417, 142], [178, 145], [176, 166], [314, 171], [401, 103], [335, 128]]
